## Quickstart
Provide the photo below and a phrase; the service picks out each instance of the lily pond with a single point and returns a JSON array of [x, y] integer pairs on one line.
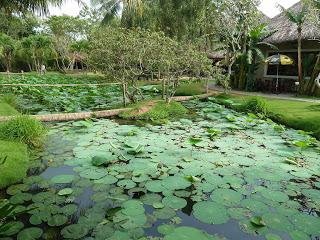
[[218, 175]]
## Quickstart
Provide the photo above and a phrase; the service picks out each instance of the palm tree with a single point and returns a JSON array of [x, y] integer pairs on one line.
[[112, 8], [41, 6], [297, 18]]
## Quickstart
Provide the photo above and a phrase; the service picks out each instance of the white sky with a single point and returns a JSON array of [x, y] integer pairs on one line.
[[268, 7]]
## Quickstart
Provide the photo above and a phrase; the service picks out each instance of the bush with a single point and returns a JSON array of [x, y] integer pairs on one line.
[[25, 130], [256, 105], [190, 89], [159, 111]]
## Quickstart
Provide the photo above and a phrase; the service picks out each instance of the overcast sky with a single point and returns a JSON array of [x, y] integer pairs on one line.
[[269, 7]]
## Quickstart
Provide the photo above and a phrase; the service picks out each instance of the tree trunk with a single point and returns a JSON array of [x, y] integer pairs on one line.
[[300, 55], [124, 94]]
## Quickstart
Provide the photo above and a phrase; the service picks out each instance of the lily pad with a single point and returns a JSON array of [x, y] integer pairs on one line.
[[210, 212], [65, 191], [174, 202], [62, 179], [226, 197], [187, 233], [74, 231], [30, 233]]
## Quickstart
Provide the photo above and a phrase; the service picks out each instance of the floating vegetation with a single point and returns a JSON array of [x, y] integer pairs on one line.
[[112, 181]]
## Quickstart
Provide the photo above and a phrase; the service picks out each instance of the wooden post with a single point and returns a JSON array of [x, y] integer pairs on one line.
[[207, 86], [124, 94]]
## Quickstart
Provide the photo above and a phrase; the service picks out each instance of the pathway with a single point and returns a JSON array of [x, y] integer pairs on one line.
[[282, 96]]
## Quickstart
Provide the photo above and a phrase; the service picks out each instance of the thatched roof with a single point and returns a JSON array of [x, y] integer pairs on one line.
[[286, 31]]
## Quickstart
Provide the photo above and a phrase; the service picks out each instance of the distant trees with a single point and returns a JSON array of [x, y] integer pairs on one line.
[[7, 47], [128, 54]]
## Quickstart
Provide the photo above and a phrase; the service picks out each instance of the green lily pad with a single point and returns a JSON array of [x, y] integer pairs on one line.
[[11, 228], [187, 233], [65, 191], [30, 233], [175, 183], [101, 160], [296, 235], [271, 236], [277, 222], [210, 212], [93, 173], [174, 202], [165, 229], [126, 183], [57, 220], [164, 213], [275, 195], [226, 197], [306, 223], [158, 205], [62, 179], [74, 231]]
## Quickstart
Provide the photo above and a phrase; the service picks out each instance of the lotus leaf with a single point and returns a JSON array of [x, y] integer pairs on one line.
[[20, 198], [107, 180], [271, 236], [155, 186], [151, 198], [275, 195], [175, 183], [277, 221], [165, 229], [126, 184], [69, 209], [296, 235], [11, 228], [18, 188], [306, 223], [102, 159], [158, 205], [74, 231], [187, 233], [119, 236], [210, 212], [57, 220], [93, 173], [164, 213], [174, 202], [65, 191], [62, 179], [226, 197], [30, 233]]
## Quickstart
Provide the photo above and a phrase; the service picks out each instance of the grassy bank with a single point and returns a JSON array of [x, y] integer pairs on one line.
[[17, 136], [299, 115], [16, 164]]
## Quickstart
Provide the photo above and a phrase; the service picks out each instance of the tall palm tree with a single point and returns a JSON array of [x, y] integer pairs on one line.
[[112, 8], [41, 6], [298, 18]]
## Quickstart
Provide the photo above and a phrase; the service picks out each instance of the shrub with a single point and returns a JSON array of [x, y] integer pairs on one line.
[[256, 105], [23, 129], [159, 111], [190, 89]]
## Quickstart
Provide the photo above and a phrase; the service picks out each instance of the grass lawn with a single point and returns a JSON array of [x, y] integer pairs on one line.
[[16, 165], [299, 115], [7, 110]]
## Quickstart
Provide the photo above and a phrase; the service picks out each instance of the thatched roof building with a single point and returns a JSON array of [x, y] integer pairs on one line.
[[286, 31]]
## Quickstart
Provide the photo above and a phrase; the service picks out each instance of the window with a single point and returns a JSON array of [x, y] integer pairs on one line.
[[308, 61]]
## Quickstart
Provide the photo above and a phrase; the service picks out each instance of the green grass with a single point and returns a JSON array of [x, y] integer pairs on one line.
[[190, 89], [299, 115], [157, 111], [7, 110], [16, 165], [23, 129]]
